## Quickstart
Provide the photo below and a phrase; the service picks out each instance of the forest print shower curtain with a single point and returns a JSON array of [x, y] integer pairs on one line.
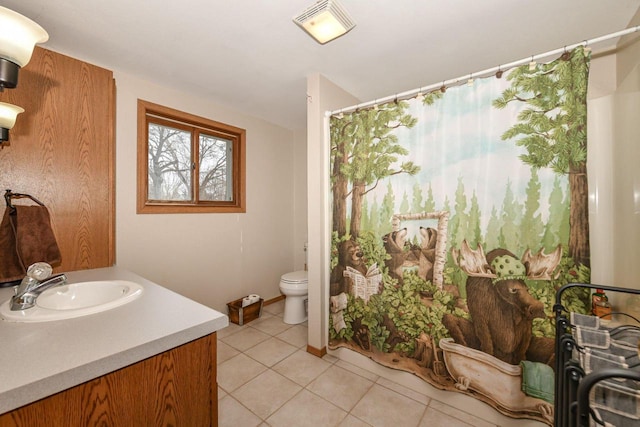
[[456, 216]]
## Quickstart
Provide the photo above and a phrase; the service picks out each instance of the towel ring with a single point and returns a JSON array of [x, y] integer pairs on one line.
[[9, 195]]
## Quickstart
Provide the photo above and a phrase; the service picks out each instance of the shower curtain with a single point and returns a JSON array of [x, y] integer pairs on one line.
[[456, 216]]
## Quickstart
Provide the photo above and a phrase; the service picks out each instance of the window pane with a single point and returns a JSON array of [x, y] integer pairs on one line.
[[216, 183], [169, 163]]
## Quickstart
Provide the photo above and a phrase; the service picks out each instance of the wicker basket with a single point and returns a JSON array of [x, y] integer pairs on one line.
[[241, 315]]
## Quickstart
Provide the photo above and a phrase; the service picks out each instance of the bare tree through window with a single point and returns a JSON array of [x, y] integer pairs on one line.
[[214, 168], [169, 163]]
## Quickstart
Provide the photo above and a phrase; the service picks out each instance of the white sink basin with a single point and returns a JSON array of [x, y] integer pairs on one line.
[[75, 300]]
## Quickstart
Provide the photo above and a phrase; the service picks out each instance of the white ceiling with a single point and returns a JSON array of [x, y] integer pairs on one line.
[[248, 54]]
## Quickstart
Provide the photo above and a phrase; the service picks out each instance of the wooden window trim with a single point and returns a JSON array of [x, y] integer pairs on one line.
[[144, 206]]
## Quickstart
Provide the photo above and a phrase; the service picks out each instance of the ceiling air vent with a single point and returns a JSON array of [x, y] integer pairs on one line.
[[325, 21]]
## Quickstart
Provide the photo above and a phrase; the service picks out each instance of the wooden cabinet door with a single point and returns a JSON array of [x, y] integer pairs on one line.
[[174, 388]]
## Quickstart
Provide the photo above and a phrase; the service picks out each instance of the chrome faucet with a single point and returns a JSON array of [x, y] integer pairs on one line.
[[37, 280]]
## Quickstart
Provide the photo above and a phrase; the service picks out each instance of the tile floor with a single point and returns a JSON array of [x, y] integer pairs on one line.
[[266, 378]]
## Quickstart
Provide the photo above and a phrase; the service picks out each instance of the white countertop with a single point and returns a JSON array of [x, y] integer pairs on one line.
[[40, 359]]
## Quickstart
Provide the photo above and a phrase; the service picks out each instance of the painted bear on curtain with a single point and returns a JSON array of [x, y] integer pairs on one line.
[[469, 210]]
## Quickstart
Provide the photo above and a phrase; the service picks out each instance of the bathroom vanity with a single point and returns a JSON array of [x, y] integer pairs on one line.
[[151, 361]]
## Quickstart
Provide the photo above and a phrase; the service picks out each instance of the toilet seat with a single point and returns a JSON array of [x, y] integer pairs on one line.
[[295, 277], [295, 283]]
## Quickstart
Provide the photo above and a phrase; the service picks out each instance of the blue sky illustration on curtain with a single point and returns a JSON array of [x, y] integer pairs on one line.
[[455, 219], [460, 136]]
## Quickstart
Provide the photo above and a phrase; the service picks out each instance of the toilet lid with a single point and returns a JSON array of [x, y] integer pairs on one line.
[[295, 277]]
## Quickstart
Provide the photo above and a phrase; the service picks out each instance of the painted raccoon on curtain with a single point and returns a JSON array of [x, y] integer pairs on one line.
[[456, 217]]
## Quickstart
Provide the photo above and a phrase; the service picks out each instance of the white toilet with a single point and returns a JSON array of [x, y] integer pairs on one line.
[[295, 286]]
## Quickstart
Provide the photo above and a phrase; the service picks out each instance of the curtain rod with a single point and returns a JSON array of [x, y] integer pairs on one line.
[[489, 71]]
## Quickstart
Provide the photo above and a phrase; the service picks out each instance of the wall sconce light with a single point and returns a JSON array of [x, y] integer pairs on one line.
[[324, 21], [8, 114], [18, 36]]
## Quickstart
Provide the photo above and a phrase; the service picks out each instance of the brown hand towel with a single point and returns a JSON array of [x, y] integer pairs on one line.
[[34, 241], [10, 268]]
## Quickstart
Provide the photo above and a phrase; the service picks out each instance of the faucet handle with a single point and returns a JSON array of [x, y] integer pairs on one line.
[[39, 271]]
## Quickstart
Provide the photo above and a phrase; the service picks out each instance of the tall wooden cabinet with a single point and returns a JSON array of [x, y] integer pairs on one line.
[[61, 151]]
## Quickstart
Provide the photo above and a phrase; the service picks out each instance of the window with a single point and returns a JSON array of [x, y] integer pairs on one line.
[[188, 164]]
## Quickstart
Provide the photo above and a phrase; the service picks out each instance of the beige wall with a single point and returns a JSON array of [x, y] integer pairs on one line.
[[626, 171], [300, 199], [323, 96], [626, 110], [211, 258], [626, 175], [602, 83], [629, 52], [614, 176]]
